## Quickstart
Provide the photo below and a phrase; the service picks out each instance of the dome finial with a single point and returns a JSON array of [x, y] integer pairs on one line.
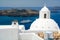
[[44, 4]]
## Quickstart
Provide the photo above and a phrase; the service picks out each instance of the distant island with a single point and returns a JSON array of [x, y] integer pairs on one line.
[[25, 12], [17, 12]]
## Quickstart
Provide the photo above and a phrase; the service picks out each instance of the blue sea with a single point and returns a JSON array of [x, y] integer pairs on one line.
[[7, 20]]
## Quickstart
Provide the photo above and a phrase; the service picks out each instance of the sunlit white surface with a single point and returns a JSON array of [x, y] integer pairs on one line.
[[44, 24]]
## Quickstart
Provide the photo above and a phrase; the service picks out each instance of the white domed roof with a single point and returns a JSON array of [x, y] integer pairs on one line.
[[44, 9], [44, 24]]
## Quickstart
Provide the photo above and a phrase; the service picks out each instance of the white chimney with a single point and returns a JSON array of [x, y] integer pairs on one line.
[[15, 24]]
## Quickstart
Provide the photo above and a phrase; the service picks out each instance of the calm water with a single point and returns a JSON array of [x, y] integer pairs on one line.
[[6, 20]]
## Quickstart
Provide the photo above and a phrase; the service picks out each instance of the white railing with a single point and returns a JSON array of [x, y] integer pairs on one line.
[[29, 36]]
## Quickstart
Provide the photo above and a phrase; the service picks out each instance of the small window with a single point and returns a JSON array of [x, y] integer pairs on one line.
[[14, 23], [44, 15]]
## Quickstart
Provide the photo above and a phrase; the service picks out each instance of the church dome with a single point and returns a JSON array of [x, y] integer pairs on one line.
[[44, 24]]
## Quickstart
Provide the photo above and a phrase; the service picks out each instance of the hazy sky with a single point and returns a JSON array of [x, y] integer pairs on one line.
[[28, 3]]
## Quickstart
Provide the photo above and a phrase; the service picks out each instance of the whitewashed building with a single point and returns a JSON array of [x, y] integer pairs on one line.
[[45, 24], [41, 29]]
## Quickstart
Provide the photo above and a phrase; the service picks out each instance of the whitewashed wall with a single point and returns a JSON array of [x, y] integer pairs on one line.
[[9, 34], [29, 36]]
